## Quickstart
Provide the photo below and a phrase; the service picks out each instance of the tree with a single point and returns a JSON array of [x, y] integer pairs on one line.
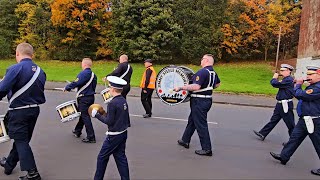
[[83, 27], [144, 29], [201, 22], [34, 25], [8, 27]]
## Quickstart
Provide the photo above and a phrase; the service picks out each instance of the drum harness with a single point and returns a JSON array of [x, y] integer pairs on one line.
[[125, 73], [23, 89], [85, 86], [212, 75]]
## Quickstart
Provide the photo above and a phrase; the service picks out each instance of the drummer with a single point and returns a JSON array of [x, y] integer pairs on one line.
[[204, 81], [86, 83], [124, 71], [118, 120]]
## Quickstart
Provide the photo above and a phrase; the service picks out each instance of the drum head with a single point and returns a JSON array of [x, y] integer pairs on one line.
[[169, 78]]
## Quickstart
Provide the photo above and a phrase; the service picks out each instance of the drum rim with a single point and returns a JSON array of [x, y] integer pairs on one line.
[[172, 66], [4, 139], [66, 103], [71, 117]]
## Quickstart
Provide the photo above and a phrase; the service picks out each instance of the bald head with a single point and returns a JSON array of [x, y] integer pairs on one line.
[[24, 50], [123, 58], [207, 60], [86, 63]]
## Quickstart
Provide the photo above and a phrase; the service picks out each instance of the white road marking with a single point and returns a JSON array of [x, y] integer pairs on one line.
[[170, 119]]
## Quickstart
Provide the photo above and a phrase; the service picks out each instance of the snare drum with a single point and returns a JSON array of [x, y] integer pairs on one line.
[[170, 77], [3, 132], [68, 111], [106, 95]]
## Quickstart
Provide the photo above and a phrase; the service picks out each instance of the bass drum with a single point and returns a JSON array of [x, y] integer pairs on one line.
[[170, 77]]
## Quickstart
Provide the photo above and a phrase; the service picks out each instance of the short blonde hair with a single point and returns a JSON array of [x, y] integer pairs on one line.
[[87, 61], [25, 49]]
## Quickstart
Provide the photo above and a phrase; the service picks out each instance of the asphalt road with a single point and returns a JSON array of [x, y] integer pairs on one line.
[[152, 148]]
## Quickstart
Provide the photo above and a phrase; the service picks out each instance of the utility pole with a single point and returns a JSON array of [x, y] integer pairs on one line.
[[277, 57]]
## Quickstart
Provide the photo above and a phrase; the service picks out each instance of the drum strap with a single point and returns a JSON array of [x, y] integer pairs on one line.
[[212, 75], [86, 85], [27, 86], [125, 73]]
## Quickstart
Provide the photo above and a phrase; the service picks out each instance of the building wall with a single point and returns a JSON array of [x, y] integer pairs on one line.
[[309, 38]]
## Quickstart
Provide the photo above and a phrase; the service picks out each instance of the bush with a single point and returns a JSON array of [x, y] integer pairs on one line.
[[5, 50]]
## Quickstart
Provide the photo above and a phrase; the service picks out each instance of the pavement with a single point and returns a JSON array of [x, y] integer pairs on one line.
[[219, 98]]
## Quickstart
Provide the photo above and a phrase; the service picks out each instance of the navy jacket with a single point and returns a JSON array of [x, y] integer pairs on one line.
[[121, 69], [310, 99], [82, 79], [19, 75], [285, 88], [117, 117], [202, 78]]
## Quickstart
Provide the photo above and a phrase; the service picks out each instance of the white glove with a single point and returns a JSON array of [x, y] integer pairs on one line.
[[94, 112]]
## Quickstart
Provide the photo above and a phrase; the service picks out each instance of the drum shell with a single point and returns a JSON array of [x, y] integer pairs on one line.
[[68, 111], [3, 130], [106, 95], [170, 77]]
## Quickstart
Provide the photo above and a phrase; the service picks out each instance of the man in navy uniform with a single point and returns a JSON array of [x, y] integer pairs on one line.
[[124, 71], [24, 85], [284, 107], [118, 120], [204, 81], [309, 121], [86, 83]]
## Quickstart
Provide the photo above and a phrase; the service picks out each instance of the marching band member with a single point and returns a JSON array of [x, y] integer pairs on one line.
[[24, 85], [118, 120], [124, 71], [86, 83], [284, 107], [147, 85], [204, 81], [309, 121]]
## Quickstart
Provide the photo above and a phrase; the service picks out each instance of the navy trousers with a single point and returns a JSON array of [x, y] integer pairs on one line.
[[115, 145], [125, 91], [278, 114], [198, 121], [146, 100], [20, 128], [85, 120], [298, 135]]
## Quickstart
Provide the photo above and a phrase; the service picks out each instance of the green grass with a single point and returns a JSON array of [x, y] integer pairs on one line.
[[244, 77]]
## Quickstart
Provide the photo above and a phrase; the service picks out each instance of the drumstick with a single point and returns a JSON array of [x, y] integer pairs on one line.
[[60, 89]]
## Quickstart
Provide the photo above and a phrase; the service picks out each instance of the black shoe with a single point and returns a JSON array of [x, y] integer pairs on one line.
[[32, 175], [278, 157], [76, 134], [146, 115], [315, 172], [2, 163], [182, 143], [86, 140], [204, 152], [259, 135]]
